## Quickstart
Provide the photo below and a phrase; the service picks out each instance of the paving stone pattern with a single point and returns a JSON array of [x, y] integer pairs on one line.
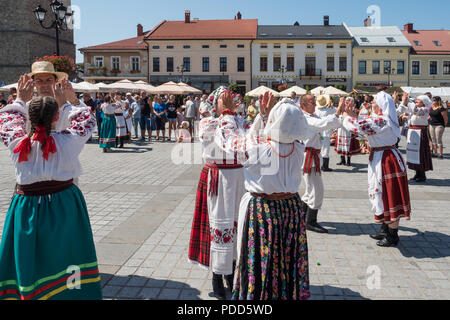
[[141, 207]]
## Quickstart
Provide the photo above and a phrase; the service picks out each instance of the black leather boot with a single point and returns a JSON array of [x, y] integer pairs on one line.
[[218, 288], [325, 166], [382, 233], [415, 177], [349, 163], [421, 176], [229, 279], [391, 238], [342, 163], [311, 222]]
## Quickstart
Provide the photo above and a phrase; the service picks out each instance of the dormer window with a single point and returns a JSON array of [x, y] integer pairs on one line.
[[390, 39], [417, 43], [437, 43], [364, 39]]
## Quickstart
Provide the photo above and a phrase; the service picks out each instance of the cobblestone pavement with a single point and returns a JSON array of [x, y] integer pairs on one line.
[[141, 207]]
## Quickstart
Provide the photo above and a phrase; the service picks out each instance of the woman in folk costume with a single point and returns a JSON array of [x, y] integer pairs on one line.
[[121, 125], [325, 108], [314, 192], [347, 144], [127, 114], [47, 249], [388, 182], [221, 186], [272, 242], [108, 129], [418, 153]]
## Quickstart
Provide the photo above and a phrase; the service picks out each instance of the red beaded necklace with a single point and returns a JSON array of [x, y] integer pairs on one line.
[[281, 156], [226, 112]]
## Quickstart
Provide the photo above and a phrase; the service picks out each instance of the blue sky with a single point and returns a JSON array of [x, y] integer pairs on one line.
[[103, 21]]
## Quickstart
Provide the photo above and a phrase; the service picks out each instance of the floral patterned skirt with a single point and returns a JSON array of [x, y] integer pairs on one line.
[[273, 262]]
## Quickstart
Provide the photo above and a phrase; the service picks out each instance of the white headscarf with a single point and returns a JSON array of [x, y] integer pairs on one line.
[[286, 123], [426, 101], [387, 105]]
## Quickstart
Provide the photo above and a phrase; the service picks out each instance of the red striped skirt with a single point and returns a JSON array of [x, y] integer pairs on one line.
[[200, 242], [347, 148], [396, 199]]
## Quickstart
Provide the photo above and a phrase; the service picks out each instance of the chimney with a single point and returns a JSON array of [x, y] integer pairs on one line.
[[187, 16], [368, 22], [140, 30], [239, 15], [326, 20], [409, 27]]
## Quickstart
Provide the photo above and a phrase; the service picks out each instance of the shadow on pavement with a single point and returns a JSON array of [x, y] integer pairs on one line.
[[420, 245], [432, 182], [143, 288]]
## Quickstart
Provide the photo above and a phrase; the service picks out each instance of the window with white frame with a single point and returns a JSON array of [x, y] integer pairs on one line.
[[115, 63], [135, 63], [446, 68], [415, 67], [99, 62], [433, 67]]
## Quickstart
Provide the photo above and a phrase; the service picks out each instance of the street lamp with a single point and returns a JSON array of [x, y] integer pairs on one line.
[[389, 70], [61, 21], [181, 69], [283, 71]]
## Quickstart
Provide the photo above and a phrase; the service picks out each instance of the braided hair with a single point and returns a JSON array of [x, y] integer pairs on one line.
[[41, 112]]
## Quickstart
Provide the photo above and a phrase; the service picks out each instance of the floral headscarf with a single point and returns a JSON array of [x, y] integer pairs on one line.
[[214, 98]]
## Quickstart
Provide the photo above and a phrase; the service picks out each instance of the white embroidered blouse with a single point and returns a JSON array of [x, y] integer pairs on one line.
[[62, 165], [417, 116], [375, 128]]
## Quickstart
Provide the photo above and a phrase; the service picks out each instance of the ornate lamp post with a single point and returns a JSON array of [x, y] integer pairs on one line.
[[181, 69], [389, 72], [61, 21], [283, 71]]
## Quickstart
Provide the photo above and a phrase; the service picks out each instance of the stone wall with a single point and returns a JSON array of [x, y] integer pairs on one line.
[[22, 40]]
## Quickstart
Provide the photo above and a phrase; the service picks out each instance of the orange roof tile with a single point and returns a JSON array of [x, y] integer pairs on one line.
[[426, 38], [136, 43], [205, 29]]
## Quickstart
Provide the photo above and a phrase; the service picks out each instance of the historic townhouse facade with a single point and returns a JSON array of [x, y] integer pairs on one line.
[[203, 53], [380, 57], [430, 57], [119, 60], [307, 56]]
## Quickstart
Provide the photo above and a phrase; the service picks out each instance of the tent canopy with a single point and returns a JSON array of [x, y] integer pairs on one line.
[[298, 90], [189, 88], [334, 91], [318, 91], [9, 86], [84, 87], [260, 91]]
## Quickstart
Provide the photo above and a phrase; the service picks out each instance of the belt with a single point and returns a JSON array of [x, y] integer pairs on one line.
[[214, 172], [109, 115], [224, 166], [418, 127], [118, 114], [312, 155], [43, 188], [373, 150], [274, 196]]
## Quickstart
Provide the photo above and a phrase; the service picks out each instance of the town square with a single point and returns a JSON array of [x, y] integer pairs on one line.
[[234, 156]]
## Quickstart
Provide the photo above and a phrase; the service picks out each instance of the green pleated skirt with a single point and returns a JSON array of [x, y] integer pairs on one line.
[[47, 249], [107, 137]]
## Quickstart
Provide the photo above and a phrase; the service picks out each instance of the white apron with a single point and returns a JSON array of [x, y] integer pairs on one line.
[[413, 146]]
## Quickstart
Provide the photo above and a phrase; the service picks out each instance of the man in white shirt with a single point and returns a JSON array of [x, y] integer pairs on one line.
[[191, 115], [204, 108]]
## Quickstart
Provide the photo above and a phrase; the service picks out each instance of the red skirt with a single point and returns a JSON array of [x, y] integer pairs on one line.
[[340, 146], [200, 242], [396, 199]]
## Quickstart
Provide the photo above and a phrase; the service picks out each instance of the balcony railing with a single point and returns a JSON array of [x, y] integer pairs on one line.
[[310, 72]]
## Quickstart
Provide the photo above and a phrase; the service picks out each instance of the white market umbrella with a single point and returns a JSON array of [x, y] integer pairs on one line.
[[192, 89], [122, 85], [142, 85], [171, 88], [84, 87], [261, 91], [334, 91], [9, 86], [298, 90], [317, 91]]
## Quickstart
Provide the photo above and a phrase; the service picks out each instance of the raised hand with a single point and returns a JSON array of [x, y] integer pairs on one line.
[[25, 88], [267, 103], [58, 93], [405, 98], [68, 91]]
